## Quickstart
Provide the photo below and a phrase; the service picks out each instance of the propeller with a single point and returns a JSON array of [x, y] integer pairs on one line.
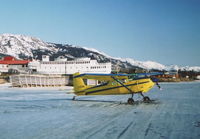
[[156, 81]]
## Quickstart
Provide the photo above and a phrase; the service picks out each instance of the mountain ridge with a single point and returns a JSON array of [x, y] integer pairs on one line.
[[22, 46]]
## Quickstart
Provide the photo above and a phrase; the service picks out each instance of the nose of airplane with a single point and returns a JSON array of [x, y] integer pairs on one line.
[[154, 79]]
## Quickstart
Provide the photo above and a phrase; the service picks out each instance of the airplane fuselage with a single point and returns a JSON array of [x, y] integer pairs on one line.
[[142, 85]]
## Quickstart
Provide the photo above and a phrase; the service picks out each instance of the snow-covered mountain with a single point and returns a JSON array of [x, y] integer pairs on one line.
[[22, 46]]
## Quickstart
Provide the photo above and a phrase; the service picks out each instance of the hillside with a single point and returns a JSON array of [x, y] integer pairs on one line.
[[24, 47]]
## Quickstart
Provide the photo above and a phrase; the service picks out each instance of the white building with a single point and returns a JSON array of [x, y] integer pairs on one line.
[[82, 65], [45, 58], [3, 68], [198, 77], [12, 65]]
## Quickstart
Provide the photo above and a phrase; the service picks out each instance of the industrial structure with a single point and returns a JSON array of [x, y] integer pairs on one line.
[[26, 80]]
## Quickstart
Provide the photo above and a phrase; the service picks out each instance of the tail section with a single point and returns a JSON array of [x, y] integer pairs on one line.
[[78, 83]]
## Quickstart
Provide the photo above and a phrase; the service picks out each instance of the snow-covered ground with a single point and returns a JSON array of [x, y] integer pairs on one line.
[[50, 113]]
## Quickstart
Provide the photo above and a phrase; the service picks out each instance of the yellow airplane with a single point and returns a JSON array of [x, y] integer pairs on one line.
[[112, 84]]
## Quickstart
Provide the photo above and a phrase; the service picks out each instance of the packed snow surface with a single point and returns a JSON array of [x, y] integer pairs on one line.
[[50, 113]]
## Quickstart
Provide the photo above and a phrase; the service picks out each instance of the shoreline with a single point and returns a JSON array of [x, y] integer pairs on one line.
[[3, 81], [176, 80]]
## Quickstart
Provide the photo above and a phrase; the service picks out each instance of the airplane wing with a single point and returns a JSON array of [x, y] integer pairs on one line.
[[102, 77]]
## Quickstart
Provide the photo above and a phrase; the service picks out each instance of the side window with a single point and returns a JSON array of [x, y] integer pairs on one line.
[[114, 83]]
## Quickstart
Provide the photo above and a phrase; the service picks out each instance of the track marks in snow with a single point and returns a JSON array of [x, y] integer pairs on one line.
[[197, 124], [122, 133], [148, 128]]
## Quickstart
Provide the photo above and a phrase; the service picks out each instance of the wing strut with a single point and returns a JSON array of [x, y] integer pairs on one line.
[[130, 100], [122, 84]]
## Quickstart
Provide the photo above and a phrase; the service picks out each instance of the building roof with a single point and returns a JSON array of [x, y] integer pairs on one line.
[[13, 61]]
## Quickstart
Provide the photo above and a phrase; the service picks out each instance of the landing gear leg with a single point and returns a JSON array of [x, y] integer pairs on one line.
[[145, 98], [74, 97], [130, 100], [158, 86]]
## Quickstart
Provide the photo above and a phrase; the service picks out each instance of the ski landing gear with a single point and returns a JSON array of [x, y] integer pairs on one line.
[[74, 97], [145, 98], [130, 100]]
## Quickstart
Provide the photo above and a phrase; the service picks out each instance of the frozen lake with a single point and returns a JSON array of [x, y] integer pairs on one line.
[[50, 113]]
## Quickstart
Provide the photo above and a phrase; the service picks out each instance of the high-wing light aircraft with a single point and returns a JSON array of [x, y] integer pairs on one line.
[[113, 84]]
